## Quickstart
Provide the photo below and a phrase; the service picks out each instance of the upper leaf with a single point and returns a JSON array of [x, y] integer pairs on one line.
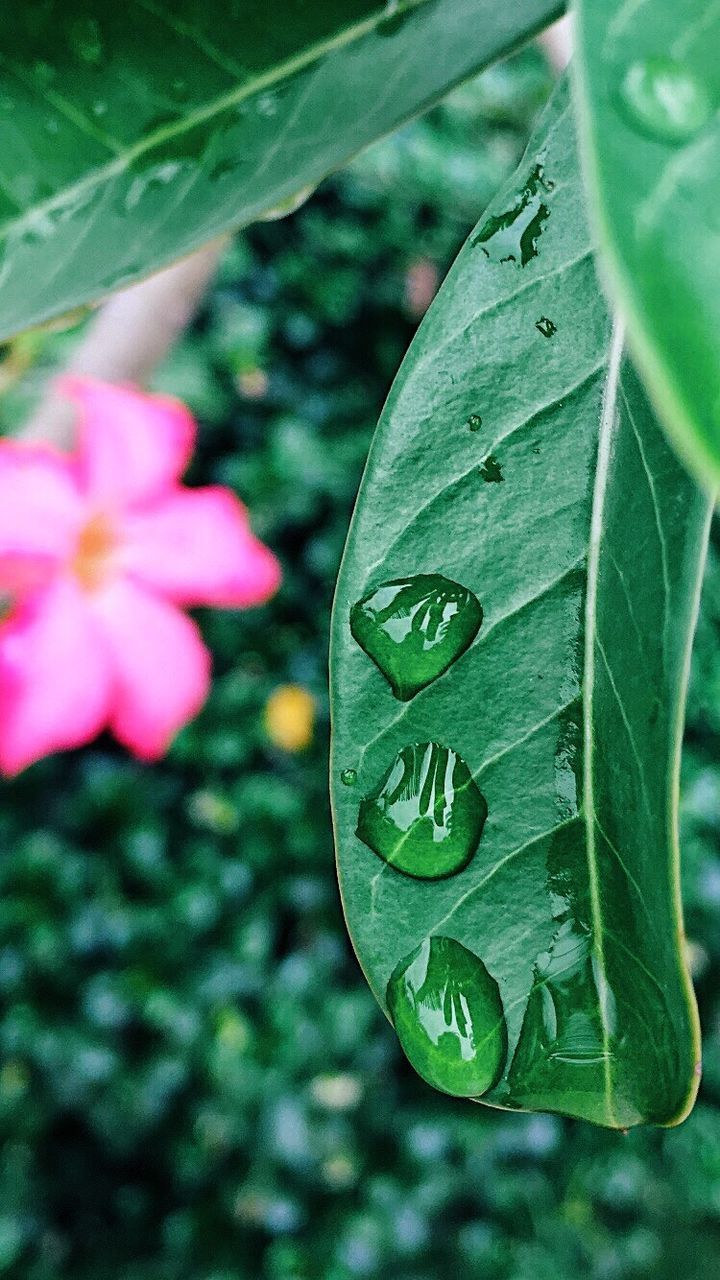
[[534, 775], [133, 133], [648, 82]]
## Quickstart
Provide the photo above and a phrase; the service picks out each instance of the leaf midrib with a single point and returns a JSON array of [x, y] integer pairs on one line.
[[607, 427], [224, 102]]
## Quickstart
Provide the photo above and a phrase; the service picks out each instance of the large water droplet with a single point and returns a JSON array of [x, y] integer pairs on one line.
[[426, 815], [563, 1032], [415, 628], [513, 236], [664, 99], [448, 1015]]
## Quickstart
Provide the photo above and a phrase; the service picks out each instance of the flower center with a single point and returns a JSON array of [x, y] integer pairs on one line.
[[92, 560]]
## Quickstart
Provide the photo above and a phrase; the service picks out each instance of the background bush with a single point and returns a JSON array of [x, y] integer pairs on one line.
[[195, 1082]]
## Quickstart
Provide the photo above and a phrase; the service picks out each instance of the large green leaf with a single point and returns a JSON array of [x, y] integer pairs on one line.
[[133, 133], [518, 458], [648, 81]]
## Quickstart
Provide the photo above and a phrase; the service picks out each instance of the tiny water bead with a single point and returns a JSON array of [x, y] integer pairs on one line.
[[491, 471], [474, 422], [426, 815], [664, 99], [348, 777], [513, 236], [448, 1015], [415, 628], [546, 326]]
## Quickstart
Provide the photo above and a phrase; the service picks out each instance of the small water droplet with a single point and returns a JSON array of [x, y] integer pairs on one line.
[[664, 99], [267, 104], [393, 19], [288, 206], [546, 326], [86, 40], [491, 471], [415, 628], [513, 236], [426, 815], [154, 177], [348, 777], [448, 1015], [474, 422]]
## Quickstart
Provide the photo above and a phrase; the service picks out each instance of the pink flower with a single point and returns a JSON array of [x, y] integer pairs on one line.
[[99, 552]]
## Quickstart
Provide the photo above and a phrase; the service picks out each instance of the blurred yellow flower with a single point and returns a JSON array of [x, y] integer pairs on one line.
[[290, 717]]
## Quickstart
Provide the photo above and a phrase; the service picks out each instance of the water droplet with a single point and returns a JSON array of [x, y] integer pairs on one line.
[[562, 1031], [664, 100], [513, 236], [393, 19], [474, 422], [267, 104], [348, 777], [286, 207], [415, 628], [546, 326], [491, 471], [448, 1015], [426, 815], [86, 40], [154, 177]]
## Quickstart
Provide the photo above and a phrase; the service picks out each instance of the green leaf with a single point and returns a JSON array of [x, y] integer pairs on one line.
[[648, 82], [131, 135], [584, 545]]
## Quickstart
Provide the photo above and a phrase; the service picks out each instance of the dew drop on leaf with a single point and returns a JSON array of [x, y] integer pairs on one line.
[[448, 1015], [491, 471], [415, 628], [562, 1031], [426, 815], [513, 236], [474, 422], [348, 777], [285, 207], [664, 100], [546, 326]]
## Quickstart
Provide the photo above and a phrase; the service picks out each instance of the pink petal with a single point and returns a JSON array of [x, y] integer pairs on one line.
[[41, 513], [54, 677], [195, 546], [131, 445], [161, 667]]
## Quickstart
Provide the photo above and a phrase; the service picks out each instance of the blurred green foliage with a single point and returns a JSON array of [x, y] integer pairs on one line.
[[195, 1082]]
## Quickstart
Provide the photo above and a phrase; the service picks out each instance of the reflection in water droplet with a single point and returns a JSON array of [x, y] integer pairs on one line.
[[664, 99], [474, 422], [513, 236], [491, 471], [546, 327], [415, 628], [426, 815], [286, 207], [448, 1015], [348, 777]]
